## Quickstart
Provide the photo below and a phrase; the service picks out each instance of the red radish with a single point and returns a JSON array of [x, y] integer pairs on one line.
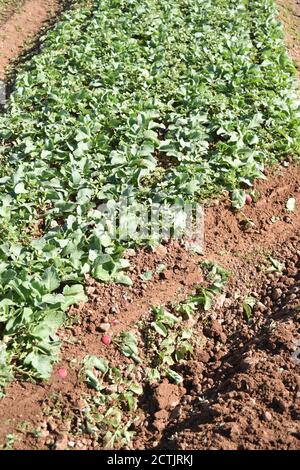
[[248, 199], [62, 373], [106, 339], [115, 322]]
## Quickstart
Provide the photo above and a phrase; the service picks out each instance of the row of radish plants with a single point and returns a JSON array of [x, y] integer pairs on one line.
[[160, 102]]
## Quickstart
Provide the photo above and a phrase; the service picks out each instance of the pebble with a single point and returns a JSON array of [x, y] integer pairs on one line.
[[130, 253], [61, 442], [261, 307], [104, 326], [161, 250], [277, 293], [114, 310], [52, 425], [90, 290]]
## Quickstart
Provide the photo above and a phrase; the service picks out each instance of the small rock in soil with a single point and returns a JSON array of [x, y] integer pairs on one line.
[[61, 442], [161, 250], [104, 326]]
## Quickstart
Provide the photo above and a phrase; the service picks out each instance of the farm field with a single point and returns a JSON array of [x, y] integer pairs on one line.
[[110, 341]]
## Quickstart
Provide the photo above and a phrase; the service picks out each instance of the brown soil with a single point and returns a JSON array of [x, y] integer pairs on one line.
[[8, 8], [21, 27], [241, 390], [289, 14]]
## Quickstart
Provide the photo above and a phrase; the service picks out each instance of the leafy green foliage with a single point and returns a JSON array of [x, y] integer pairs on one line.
[[248, 306], [217, 278], [163, 320], [146, 276], [5, 369], [107, 412], [238, 198], [110, 412], [128, 345], [160, 101], [168, 339]]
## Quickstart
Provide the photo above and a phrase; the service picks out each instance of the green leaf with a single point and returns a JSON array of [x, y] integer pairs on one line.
[[41, 363], [50, 279], [101, 274], [248, 306], [153, 375], [238, 199], [98, 363], [146, 276], [49, 325], [152, 136], [160, 328], [136, 388], [92, 380], [20, 188], [128, 345], [208, 300], [276, 266], [160, 268], [73, 295], [5, 305], [121, 278], [174, 376], [130, 399], [54, 299]]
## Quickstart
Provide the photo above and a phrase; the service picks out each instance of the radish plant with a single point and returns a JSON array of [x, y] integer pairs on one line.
[[158, 101]]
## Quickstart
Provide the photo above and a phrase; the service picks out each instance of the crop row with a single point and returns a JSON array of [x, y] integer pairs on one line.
[[158, 101]]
